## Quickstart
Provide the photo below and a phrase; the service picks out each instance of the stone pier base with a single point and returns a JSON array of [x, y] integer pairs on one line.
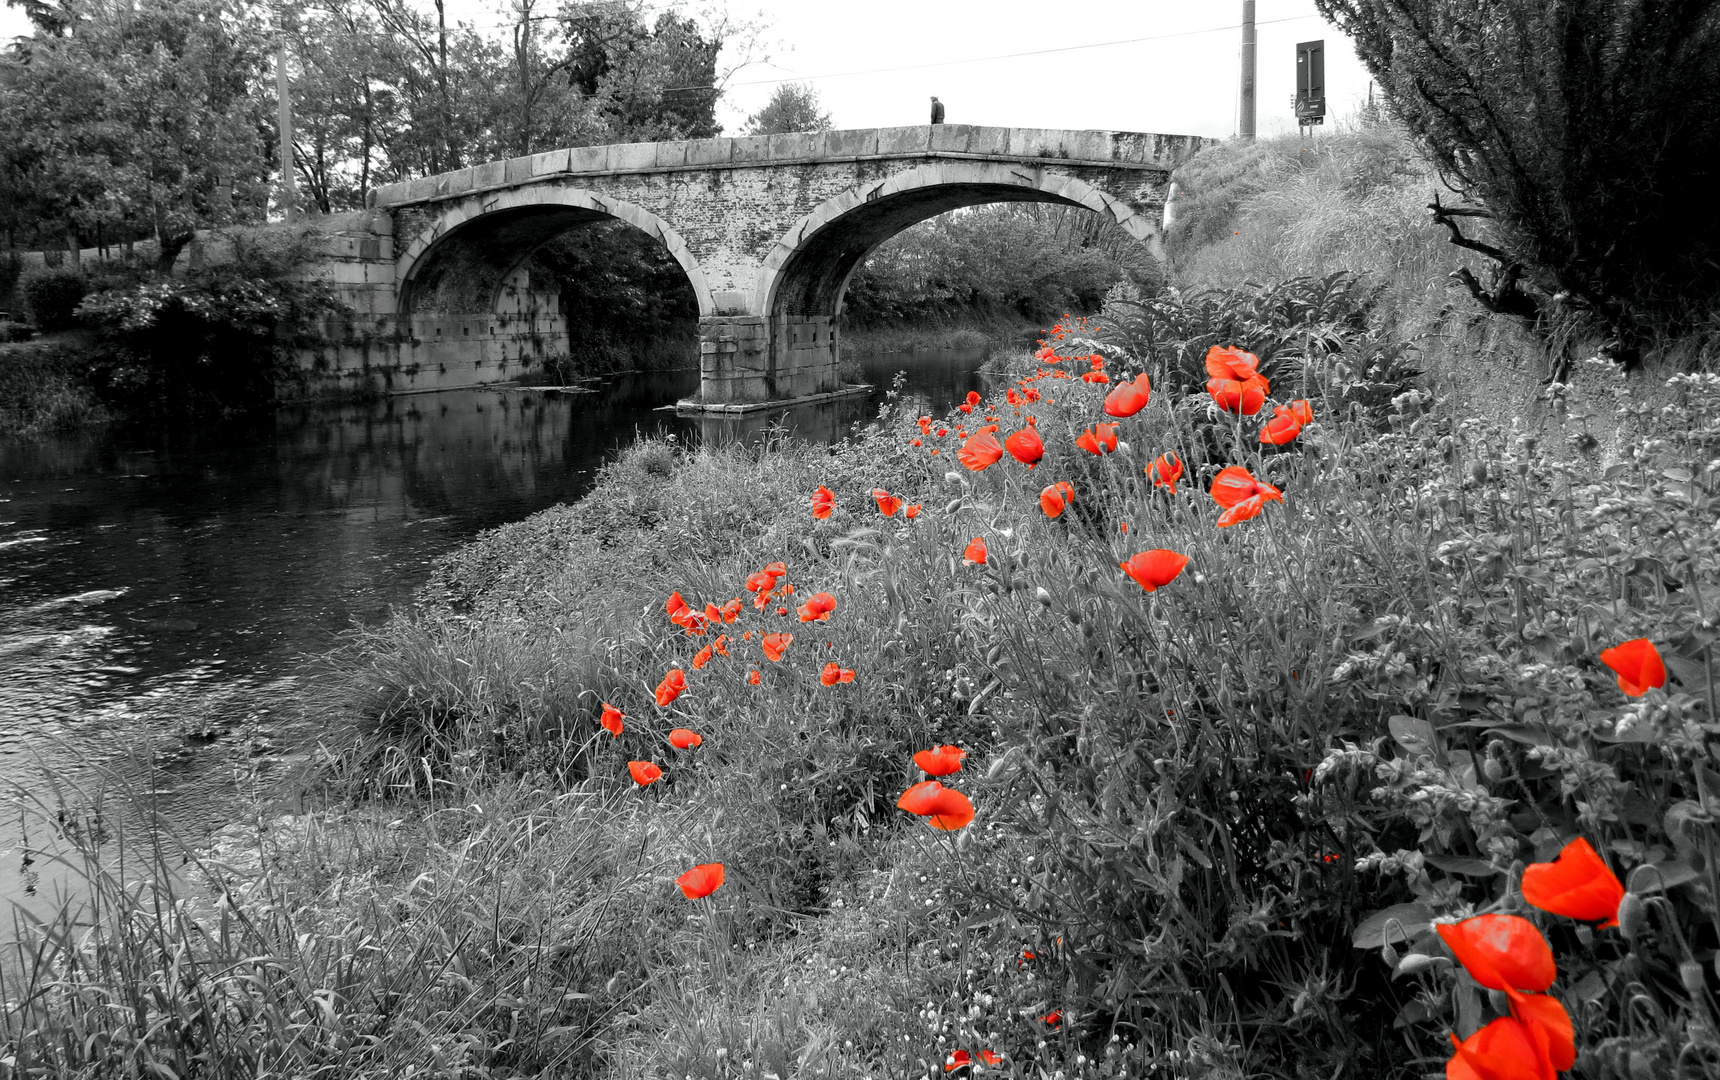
[[748, 360]]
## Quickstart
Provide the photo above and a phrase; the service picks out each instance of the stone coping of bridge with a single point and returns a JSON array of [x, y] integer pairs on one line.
[[1111, 149]]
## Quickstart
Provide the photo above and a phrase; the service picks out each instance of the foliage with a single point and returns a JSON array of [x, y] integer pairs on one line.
[[1028, 263], [792, 107], [42, 390], [11, 267], [1589, 132], [52, 294], [627, 301]]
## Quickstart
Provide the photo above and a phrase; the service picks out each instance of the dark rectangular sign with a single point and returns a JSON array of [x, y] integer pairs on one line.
[[1310, 81]]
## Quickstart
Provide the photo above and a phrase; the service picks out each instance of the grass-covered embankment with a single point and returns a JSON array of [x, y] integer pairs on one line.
[[1213, 822], [42, 388]]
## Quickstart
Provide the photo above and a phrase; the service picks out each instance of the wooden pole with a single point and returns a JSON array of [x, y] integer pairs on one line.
[[1245, 121]]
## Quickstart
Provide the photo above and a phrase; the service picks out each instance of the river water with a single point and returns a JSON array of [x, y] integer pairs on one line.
[[162, 591]]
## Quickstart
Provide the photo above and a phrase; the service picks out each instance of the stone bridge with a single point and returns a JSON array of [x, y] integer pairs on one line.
[[767, 228]]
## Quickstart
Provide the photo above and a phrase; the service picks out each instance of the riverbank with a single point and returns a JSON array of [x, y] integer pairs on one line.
[[934, 337], [41, 389]]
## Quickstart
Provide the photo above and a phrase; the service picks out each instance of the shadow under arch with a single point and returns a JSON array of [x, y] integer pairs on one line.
[[461, 262], [807, 272]]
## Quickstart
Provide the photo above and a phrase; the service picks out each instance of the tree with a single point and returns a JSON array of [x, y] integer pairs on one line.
[[1589, 133], [792, 107]]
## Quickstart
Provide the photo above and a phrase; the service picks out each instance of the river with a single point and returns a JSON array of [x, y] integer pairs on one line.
[[162, 591]]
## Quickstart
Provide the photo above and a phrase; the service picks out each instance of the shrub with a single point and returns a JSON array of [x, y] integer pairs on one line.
[[52, 294], [1588, 130], [11, 266]]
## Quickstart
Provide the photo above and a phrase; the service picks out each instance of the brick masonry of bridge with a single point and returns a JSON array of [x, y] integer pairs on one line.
[[443, 291]]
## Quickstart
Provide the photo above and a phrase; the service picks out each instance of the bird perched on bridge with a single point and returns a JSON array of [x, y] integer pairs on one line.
[[937, 110]]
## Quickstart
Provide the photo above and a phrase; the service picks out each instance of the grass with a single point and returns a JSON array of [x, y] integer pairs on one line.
[[40, 392], [1196, 807]]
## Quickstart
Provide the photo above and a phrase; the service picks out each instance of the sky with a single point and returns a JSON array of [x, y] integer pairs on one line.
[[1163, 66]]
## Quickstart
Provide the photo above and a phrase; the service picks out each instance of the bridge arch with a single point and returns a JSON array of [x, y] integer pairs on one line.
[[463, 258], [807, 272]]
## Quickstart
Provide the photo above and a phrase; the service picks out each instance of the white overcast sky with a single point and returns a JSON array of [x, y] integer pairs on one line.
[[1166, 66]]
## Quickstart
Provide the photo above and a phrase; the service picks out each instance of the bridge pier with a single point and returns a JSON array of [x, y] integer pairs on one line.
[[754, 362]]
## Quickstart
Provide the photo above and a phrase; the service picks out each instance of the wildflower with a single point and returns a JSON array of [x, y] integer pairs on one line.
[[1549, 1027], [732, 610], [991, 1057], [1095, 377], [721, 645], [674, 603], [914, 442], [1503, 1050], [980, 452], [1011, 396], [1242, 397], [760, 582], [975, 553], [701, 880], [941, 761], [1054, 1017], [1637, 664], [671, 687], [943, 808], [834, 673], [774, 644], [776, 569], [1153, 570], [713, 613], [701, 658], [818, 607], [683, 739], [1577, 884], [1501, 952], [958, 1060], [1098, 439], [1056, 498], [644, 773], [1282, 428], [612, 718], [966, 406], [1025, 446], [912, 510], [1229, 362], [823, 502], [1166, 470], [753, 677], [1129, 398], [1242, 496], [888, 504], [973, 397], [1302, 411]]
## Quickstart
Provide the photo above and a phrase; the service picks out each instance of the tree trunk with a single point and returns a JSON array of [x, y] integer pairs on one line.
[[171, 246]]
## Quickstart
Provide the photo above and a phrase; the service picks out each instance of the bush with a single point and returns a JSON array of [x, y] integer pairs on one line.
[[1590, 132], [11, 266], [52, 295]]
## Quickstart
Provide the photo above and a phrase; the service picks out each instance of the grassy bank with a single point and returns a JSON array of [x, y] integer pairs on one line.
[[42, 390], [935, 337], [1214, 822]]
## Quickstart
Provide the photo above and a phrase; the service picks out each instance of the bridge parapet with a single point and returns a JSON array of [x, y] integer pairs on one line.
[[1109, 149]]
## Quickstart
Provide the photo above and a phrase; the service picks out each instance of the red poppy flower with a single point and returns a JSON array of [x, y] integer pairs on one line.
[[776, 569], [1549, 1027], [888, 504], [1129, 398], [941, 761], [688, 620], [774, 644], [1056, 498], [701, 658], [1637, 664], [1577, 884], [1282, 428], [612, 718], [973, 397], [834, 673], [701, 880], [980, 452], [644, 773], [912, 510], [671, 687], [1030, 394], [1098, 439], [760, 582], [943, 808], [1503, 1050], [1302, 411], [753, 677], [721, 645], [1501, 951], [1166, 470], [1242, 496], [943, 431], [966, 406], [818, 607], [683, 739], [1025, 446], [782, 611], [1011, 396], [732, 610], [1095, 377], [991, 1057], [1155, 569], [1231, 363], [975, 553], [823, 502], [960, 1059], [1244, 398], [1054, 1017]]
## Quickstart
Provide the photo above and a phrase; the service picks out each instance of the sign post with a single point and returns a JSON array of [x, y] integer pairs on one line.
[[1310, 84]]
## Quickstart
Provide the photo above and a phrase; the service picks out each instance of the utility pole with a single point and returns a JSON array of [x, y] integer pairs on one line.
[[1245, 121], [289, 200]]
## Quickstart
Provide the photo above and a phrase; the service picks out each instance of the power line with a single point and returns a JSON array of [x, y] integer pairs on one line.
[[999, 56]]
